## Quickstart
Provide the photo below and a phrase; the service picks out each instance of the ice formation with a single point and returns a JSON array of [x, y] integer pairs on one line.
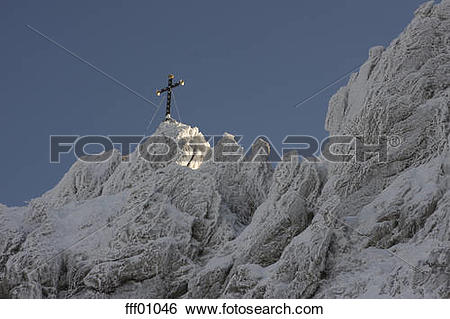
[[191, 228]]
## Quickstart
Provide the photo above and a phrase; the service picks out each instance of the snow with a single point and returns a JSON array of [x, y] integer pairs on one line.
[[195, 228]]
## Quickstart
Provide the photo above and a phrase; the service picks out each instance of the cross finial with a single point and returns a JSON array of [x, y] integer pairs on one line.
[[168, 89]]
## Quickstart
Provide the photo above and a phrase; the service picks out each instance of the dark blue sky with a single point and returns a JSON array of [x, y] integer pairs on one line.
[[245, 64]]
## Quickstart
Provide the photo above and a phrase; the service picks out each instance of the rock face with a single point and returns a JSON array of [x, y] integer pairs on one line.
[[198, 227]]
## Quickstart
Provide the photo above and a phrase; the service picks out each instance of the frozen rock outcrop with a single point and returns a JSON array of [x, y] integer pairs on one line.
[[84, 180], [202, 226]]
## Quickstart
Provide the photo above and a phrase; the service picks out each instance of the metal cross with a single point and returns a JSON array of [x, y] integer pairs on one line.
[[169, 88]]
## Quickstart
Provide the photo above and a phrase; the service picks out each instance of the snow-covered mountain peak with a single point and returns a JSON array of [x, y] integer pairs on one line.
[[192, 145], [176, 130], [374, 229]]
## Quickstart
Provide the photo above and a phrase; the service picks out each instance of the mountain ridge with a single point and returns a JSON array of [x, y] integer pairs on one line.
[[191, 228]]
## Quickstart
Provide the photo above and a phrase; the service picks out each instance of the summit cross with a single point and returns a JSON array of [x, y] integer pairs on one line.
[[168, 89]]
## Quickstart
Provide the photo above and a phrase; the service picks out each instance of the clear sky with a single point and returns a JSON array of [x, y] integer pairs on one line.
[[245, 64]]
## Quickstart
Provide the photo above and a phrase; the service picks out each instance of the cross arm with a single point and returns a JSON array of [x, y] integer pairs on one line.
[[171, 86], [158, 92], [181, 82]]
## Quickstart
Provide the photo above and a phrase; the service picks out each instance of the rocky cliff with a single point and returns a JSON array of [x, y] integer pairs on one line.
[[196, 228]]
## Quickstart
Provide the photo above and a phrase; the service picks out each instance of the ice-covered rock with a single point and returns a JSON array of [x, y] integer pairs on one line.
[[201, 226], [84, 180], [135, 168]]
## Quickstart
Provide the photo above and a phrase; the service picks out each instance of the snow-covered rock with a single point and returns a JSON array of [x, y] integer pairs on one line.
[[197, 226], [84, 180]]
